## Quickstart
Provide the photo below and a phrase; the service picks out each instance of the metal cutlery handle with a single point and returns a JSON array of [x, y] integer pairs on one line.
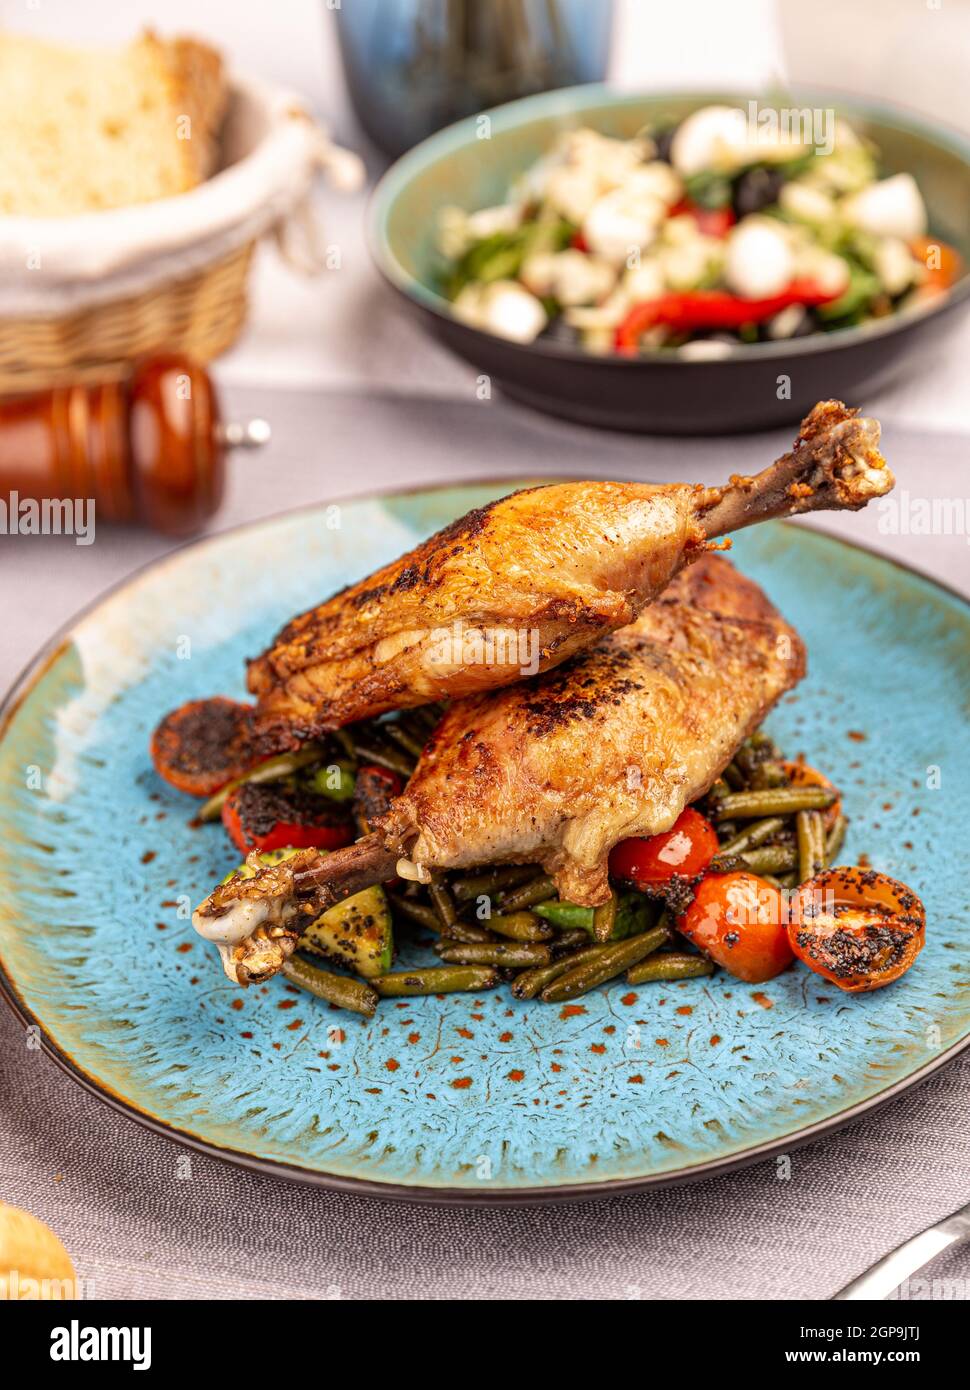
[[889, 1272]]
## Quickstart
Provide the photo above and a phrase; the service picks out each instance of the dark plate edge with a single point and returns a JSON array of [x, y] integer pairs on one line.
[[33, 671]]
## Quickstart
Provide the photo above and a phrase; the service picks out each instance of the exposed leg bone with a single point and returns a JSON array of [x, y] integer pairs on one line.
[[256, 922], [834, 465]]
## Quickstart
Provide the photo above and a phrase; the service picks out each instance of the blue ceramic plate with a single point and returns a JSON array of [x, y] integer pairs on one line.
[[462, 1098]]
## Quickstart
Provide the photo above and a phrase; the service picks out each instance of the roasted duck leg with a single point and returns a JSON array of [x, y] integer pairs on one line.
[[554, 771], [521, 585]]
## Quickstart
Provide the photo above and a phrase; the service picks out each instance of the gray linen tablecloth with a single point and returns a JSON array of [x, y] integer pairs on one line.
[[112, 1190]]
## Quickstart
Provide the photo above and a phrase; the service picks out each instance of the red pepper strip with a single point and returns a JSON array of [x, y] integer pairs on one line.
[[270, 817], [699, 309], [711, 221]]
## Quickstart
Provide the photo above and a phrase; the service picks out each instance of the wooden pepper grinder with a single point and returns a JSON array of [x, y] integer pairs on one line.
[[150, 449]]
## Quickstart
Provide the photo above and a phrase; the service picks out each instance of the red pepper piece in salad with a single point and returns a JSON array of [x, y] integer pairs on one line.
[[715, 222], [693, 310]]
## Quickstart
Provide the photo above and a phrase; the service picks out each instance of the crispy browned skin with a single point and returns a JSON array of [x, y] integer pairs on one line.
[[557, 770], [542, 573], [613, 743], [523, 584]]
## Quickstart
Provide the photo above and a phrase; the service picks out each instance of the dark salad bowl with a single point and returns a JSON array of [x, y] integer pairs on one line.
[[758, 385]]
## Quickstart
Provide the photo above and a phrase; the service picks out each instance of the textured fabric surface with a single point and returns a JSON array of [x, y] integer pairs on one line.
[[143, 1218]]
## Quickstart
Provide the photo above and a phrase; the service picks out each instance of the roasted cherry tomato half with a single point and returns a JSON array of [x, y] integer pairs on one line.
[[802, 774], [204, 744], [857, 928], [739, 920], [267, 817], [685, 850]]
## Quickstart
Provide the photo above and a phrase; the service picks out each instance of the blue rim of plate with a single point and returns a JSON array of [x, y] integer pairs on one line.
[[561, 102], [402, 1192]]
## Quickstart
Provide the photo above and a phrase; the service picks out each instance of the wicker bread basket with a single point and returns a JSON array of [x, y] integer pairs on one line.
[[82, 296]]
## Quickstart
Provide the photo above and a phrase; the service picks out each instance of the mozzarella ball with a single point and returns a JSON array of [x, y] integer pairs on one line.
[[892, 207], [570, 276], [620, 223], [572, 191], [805, 202], [713, 138], [645, 281], [894, 264], [759, 261], [508, 310], [656, 180]]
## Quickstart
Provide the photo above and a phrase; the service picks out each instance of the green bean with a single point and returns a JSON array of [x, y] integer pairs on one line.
[[468, 932], [758, 767], [418, 912], [753, 835], [746, 761], [567, 915], [427, 917], [384, 757], [488, 884], [393, 729], [613, 961], [537, 890], [345, 739], [530, 982], [777, 801], [441, 902], [765, 859], [733, 776], [437, 979], [719, 788], [336, 989], [501, 953], [604, 918], [836, 835], [271, 770], [770, 859], [769, 773], [811, 844], [669, 965], [521, 926], [451, 926], [571, 939]]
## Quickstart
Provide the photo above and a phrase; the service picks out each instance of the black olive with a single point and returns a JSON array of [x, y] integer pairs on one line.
[[756, 189], [663, 142]]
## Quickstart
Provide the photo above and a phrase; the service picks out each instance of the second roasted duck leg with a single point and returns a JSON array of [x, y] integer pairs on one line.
[[553, 771], [521, 585]]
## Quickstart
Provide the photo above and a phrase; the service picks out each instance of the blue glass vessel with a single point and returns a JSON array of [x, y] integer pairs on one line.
[[413, 66]]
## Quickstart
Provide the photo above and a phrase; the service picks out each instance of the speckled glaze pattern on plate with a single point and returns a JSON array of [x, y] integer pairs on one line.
[[462, 1098]]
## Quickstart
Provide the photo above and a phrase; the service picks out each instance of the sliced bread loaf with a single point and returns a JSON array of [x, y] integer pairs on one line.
[[83, 129]]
